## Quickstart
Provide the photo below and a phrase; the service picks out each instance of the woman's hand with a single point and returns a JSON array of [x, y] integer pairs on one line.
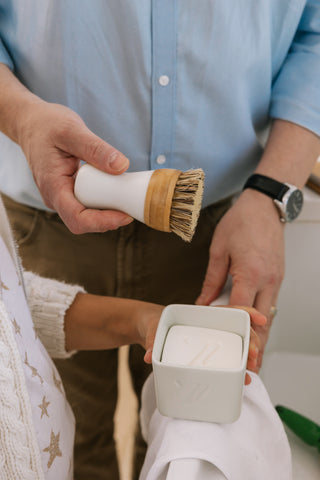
[[147, 324]]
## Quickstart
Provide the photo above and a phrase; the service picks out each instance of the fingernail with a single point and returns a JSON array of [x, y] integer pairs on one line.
[[126, 221], [148, 356], [117, 161]]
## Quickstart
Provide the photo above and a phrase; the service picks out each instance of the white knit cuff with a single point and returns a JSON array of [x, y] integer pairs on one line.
[[48, 302]]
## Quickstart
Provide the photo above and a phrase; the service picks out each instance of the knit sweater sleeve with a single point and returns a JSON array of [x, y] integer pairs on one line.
[[48, 302]]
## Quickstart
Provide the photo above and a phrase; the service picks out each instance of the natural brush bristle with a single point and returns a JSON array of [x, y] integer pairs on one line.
[[186, 203]]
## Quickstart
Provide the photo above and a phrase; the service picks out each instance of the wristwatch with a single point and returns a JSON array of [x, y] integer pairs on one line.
[[287, 198]]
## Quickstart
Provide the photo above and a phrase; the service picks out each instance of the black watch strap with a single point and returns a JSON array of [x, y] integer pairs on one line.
[[267, 185]]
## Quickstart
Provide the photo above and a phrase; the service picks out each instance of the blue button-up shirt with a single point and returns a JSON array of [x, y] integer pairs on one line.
[[170, 83]]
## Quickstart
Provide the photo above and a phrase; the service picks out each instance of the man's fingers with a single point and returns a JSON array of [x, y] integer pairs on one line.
[[265, 299], [101, 221], [82, 220], [90, 221], [215, 279], [84, 144], [242, 293], [256, 317]]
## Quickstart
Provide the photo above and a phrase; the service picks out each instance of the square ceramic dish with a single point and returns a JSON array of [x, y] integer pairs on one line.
[[202, 393]]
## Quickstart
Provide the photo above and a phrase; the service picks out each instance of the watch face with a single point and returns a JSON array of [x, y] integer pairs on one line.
[[294, 205]]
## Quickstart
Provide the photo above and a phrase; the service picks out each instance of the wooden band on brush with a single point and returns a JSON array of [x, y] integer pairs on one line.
[[158, 200]]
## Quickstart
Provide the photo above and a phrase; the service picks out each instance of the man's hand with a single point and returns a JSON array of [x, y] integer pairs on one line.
[[249, 241], [248, 244], [54, 139]]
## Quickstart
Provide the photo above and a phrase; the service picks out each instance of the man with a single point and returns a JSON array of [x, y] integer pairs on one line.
[[167, 84]]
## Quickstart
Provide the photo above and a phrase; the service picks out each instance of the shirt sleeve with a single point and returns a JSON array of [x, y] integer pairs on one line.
[[48, 302], [296, 91], [4, 55]]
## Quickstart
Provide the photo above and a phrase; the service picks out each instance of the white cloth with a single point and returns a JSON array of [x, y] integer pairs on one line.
[[255, 447], [40, 387], [36, 422]]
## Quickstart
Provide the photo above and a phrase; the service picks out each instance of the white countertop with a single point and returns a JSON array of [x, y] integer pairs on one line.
[[311, 206]]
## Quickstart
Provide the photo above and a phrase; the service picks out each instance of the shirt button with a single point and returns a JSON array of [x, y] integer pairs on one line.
[[161, 159], [164, 80]]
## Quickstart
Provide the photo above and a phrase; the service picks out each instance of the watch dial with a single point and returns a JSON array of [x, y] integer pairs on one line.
[[294, 205]]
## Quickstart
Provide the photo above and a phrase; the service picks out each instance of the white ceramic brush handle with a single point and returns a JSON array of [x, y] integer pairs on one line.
[[125, 192]]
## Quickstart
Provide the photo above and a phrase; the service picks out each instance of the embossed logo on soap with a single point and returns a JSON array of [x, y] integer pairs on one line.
[[204, 353]]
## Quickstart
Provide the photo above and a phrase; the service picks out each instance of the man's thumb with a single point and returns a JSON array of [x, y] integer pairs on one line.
[[87, 146], [104, 156]]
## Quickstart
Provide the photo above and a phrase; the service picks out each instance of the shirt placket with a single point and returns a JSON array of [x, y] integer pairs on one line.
[[164, 65]]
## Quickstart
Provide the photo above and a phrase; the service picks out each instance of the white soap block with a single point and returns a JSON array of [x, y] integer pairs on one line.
[[202, 347]]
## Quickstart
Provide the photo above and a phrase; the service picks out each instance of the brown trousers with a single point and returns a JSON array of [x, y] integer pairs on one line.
[[133, 262]]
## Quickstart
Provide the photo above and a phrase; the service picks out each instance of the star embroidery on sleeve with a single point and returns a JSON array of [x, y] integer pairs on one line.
[[33, 369], [53, 448], [44, 407], [57, 382], [2, 285], [17, 328]]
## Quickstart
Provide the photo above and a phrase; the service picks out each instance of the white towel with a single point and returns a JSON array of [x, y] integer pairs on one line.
[[255, 447]]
